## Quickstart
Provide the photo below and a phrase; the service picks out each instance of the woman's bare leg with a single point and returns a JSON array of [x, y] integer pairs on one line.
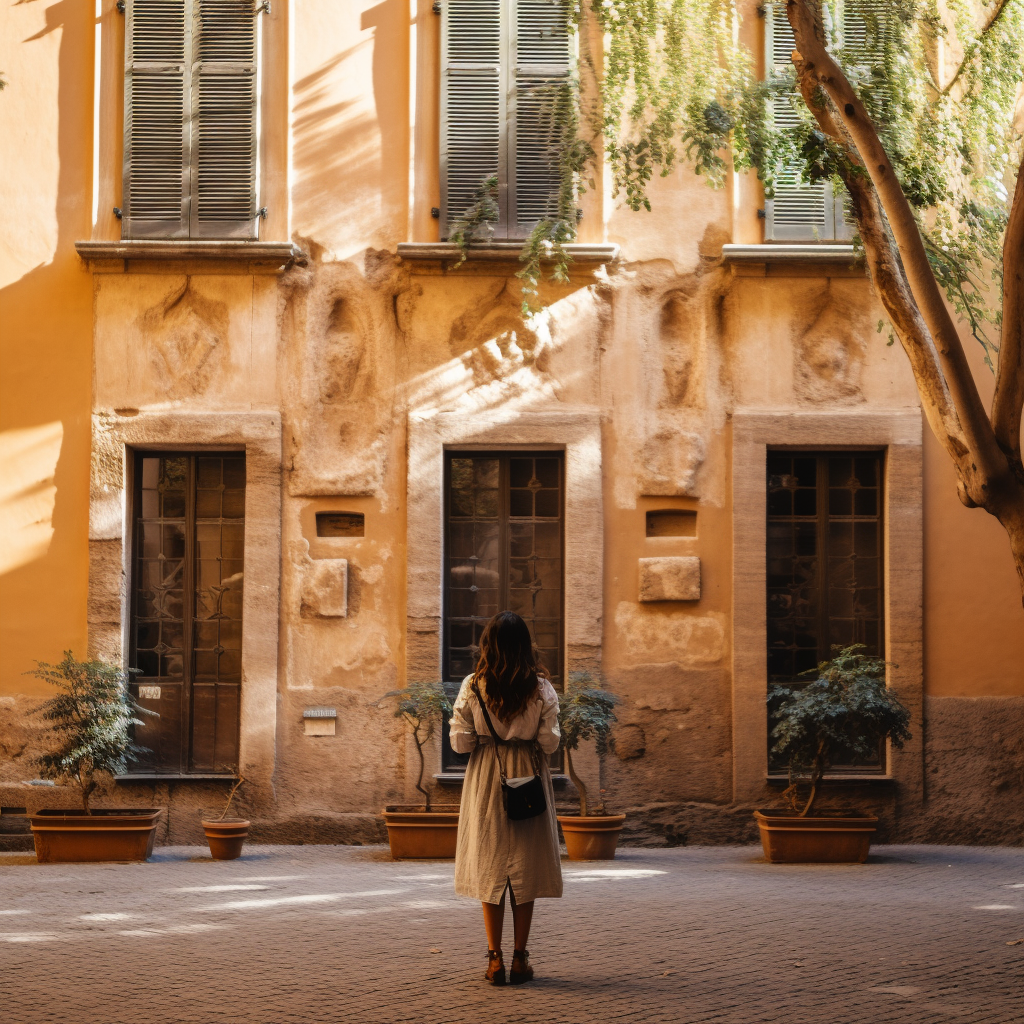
[[522, 917], [494, 922]]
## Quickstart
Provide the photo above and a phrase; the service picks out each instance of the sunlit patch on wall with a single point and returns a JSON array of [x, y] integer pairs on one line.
[[28, 463]]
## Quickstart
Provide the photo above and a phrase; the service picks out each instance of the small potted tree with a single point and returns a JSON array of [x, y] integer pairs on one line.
[[847, 711], [92, 720], [585, 712], [226, 835], [415, 831]]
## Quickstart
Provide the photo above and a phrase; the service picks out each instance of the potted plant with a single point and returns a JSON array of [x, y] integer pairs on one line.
[[92, 719], [846, 710], [585, 712], [225, 835], [416, 831]]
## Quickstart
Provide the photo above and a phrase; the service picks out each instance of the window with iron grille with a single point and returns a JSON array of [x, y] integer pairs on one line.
[[191, 119], [824, 560], [186, 609], [503, 62], [800, 211], [503, 551]]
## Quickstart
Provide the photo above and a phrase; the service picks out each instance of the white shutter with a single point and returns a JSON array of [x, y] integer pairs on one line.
[[473, 108], [799, 212], [156, 116], [224, 119], [539, 56]]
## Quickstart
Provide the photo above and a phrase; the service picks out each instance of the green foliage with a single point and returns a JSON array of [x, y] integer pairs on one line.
[[548, 239], [92, 718], [478, 220], [585, 711], [423, 705], [847, 709], [677, 81]]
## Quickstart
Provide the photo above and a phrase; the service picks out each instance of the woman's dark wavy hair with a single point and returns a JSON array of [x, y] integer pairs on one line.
[[508, 665]]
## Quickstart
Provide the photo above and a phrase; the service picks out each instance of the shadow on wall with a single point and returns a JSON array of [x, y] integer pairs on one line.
[[45, 349], [351, 166]]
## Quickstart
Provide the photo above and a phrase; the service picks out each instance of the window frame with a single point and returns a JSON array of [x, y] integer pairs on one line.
[[822, 520], [133, 472], [190, 228], [452, 763], [506, 70]]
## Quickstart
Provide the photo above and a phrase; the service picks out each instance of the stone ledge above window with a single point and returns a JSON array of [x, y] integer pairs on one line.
[[816, 259], [249, 257], [582, 253]]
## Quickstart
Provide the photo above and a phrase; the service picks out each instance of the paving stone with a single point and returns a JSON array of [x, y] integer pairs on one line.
[[685, 935]]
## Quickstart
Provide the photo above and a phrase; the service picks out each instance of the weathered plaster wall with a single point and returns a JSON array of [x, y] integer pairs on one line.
[[344, 379]]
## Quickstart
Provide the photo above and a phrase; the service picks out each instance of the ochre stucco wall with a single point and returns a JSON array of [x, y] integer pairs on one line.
[[662, 350], [46, 53]]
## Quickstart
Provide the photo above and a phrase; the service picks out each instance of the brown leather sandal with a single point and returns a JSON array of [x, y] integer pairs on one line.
[[521, 971], [495, 967]]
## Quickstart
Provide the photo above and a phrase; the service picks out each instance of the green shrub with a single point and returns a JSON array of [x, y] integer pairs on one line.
[[847, 709], [423, 705], [92, 720], [584, 712]]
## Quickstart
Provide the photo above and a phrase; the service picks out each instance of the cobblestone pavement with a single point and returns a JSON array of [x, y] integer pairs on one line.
[[329, 933]]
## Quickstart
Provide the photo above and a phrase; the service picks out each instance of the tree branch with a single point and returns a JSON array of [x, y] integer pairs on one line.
[[983, 463], [888, 277], [973, 48], [1008, 402]]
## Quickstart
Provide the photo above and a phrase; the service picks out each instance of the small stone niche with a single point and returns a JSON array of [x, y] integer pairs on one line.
[[320, 721], [671, 522], [340, 524]]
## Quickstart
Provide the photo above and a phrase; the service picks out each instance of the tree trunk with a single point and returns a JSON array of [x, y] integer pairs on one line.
[[423, 765], [577, 782], [985, 451]]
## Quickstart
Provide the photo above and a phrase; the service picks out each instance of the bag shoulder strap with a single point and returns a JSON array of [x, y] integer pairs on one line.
[[490, 725]]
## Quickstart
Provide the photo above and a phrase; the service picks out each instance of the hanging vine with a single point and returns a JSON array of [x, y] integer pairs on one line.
[[674, 83]]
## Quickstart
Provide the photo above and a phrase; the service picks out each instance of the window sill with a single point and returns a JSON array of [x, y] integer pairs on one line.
[[146, 777], [830, 781], [770, 259], [251, 256], [458, 778], [582, 254]]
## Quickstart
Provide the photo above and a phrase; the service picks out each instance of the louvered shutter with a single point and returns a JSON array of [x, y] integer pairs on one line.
[[799, 212], [539, 56], [156, 114], [224, 119], [473, 108]]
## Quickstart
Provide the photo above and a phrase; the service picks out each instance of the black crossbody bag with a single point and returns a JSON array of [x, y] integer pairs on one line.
[[523, 798]]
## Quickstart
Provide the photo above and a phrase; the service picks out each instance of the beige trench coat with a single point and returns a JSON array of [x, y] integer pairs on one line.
[[492, 851]]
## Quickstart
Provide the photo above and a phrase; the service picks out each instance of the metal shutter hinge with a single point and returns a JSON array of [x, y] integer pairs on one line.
[[120, 6], [264, 8], [435, 212], [118, 212], [436, 6], [262, 212], [761, 215]]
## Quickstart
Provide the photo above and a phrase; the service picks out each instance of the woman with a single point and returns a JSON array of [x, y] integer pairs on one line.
[[494, 853]]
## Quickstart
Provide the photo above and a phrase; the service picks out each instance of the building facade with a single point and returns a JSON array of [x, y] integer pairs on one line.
[[271, 442]]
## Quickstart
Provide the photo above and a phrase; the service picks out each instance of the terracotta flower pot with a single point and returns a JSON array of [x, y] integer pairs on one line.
[[593, 837], [226, 838], [67, 836], [416, 834], [829, 838]]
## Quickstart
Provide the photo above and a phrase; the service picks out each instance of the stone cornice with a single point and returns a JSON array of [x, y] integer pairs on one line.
[[793, 259], [265, 256], [581, 252]]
